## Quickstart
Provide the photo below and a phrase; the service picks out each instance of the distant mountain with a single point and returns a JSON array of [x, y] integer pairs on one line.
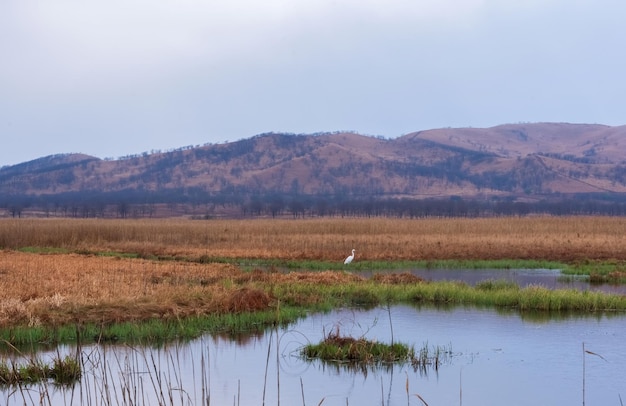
[[587, 142], [518, 162]]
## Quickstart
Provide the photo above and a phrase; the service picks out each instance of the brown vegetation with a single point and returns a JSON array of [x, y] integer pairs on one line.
[[57, 289], [397, 278], [78, 286], [331, 239]]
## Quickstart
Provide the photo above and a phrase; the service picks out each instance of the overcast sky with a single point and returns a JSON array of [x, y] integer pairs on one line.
[[118, 77]]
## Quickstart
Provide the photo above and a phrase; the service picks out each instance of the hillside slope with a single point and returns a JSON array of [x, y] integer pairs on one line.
[[517, 161]]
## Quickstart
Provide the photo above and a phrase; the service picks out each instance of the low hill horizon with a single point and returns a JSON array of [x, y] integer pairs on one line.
[[513, 162]]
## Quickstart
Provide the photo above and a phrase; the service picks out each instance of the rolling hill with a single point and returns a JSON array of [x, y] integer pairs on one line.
[[516, 162]]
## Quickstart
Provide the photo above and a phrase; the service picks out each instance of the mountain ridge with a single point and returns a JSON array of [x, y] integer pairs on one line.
[[518, 162]]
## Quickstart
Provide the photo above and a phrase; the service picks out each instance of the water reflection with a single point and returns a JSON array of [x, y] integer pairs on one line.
[[548, 278], [499, 357]]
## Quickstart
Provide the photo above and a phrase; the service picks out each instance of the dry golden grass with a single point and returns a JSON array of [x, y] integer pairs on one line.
[[546, 238], [55, 289], [59, 289]]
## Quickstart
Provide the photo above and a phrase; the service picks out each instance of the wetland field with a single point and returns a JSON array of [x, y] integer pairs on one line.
[[96, 282], [59, 273]]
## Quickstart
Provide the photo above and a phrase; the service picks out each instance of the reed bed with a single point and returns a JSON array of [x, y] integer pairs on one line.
[[88, 275], [543, 238], [73, 293]]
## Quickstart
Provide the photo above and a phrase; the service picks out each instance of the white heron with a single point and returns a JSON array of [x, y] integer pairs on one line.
[[350, 258]]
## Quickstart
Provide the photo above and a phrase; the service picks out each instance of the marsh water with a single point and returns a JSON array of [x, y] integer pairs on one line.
[[492, 358], [549, 278]]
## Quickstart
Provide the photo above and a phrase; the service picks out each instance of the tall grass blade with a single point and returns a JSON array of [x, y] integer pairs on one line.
[[267, 363], [420, 398]]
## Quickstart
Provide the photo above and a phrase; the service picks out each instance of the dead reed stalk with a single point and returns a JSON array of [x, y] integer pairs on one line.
[[546, 238]]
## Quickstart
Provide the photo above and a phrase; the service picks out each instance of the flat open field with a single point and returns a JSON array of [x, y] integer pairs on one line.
[[546, 238], [57, 272]]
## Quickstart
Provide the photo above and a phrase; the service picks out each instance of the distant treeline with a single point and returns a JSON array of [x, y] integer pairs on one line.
[[134, 204]]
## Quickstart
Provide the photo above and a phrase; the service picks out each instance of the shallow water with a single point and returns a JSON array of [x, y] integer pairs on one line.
[[497, 358], [549, 278]]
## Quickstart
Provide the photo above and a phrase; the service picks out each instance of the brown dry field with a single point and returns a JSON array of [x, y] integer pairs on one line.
[[546, 238], [54, 289]]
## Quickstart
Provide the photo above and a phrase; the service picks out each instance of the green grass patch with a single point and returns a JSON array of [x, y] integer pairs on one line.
[[43, 250], [336, 348], [62, 371], [116, 254], [497, 294], [360, 352], [611, 271], [151, 331]]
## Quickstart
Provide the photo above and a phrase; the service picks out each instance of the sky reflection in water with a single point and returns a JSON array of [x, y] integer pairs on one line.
[[499, 357]]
